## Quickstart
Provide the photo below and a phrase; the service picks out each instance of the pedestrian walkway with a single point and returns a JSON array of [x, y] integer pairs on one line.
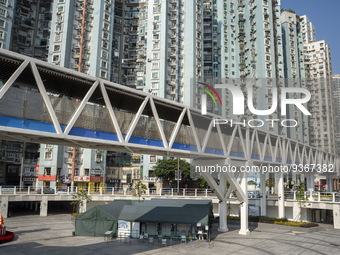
[[52, 235]]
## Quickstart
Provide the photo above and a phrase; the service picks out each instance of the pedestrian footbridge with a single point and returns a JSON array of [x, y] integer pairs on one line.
[[45, 103]]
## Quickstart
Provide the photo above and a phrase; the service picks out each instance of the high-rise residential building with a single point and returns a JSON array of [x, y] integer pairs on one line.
[[250, 43], [336, 105], [307, 29], [294, 71], [319, 73], [24, 28]]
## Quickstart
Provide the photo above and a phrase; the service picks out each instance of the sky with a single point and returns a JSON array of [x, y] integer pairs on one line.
[[325, 16]]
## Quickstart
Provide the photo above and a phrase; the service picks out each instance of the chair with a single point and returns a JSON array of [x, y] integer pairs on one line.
[[151, 240], [164, 242], [183, 239]]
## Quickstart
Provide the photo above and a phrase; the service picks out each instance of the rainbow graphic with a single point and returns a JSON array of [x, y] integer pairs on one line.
[[209, 90]]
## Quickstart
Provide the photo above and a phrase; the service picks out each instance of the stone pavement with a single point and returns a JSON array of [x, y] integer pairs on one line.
[[52, 235]]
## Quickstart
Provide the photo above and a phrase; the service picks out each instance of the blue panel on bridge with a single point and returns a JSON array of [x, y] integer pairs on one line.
[[146, 141], [26, 124], [93, 134]]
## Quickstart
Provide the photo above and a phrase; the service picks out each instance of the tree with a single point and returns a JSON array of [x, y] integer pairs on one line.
[[270, 183], [79, 199], [252, 182], [167, 168], [140, 189], [301, 198]]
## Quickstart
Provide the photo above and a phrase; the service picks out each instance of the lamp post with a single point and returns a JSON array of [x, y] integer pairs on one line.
[[177, 176]]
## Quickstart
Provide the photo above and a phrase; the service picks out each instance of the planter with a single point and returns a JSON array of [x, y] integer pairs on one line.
[[7, 237]]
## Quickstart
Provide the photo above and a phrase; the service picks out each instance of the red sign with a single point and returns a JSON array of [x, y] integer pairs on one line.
[[42, 177], [37, 168], [81, 178], [97, 179]]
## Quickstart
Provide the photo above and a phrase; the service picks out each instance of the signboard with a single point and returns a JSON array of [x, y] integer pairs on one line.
[[28, 179], [96, 172], [81, 178], [66, 181], [124, 228], [151, 179], [37, 168], [97, 179], [43, 177]]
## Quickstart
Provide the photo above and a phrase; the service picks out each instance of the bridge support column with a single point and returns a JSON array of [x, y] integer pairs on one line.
[[263, 200], [4, 206], [281, 196], [296, 211], [82, 206], [336, 216], [310, 182], [329, 183], [244, 205], [44, 206], [223, 205]]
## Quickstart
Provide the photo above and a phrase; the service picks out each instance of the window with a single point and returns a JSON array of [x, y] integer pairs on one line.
[[155, 65], [155, 75], [47, 171], [56, 58], [2, 12], [48, 155], [58, 28], [4, 2], [103, 74], [106, 35], [103, 64], [106, 26], [57, 47], [57, 38], [156, 17], [155, 56], [2, 23], [60, 8], [107, 17], [152, 159], [59, 18], [154, 85], [61, 1], [104, 54], [105, 44], [1, 45], [156, 37], [2, 34]]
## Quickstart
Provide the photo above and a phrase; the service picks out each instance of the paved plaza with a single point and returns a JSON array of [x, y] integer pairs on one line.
[[53, 235]]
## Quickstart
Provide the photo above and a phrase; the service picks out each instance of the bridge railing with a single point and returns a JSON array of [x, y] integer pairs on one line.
[[185, 192], [316, 196]]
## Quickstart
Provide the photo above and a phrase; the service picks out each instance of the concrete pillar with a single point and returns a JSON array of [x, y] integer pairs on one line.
[[244, 207], [296, 211], [310, 182], [31, 205], [281, 196], [263, 200], [4, 206], [44, 206], [222, 208], [82, 207], [329, 183], [36, 206], [336, 216], [223, 205]]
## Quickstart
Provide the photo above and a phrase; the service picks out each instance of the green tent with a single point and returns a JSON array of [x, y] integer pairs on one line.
[[179, 211], [99, 219]]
